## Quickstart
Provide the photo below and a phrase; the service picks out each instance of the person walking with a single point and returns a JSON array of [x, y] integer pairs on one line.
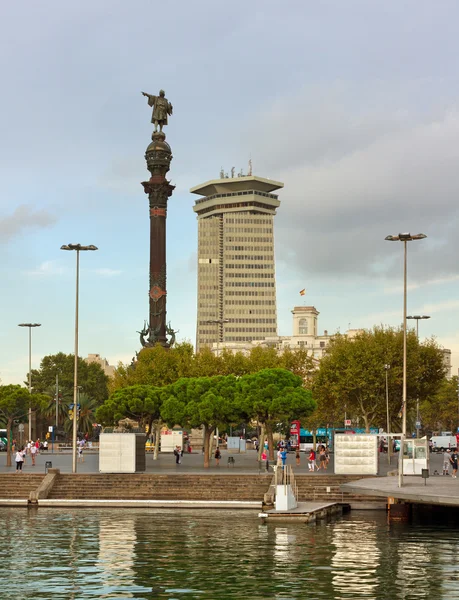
[[322, 460], [312, 460], [218, 456], [264, 457], [283, 457], [279, 458], [446, 462], [19, 459], [33, 453], [80, 450], [297, 456], [453, 460]]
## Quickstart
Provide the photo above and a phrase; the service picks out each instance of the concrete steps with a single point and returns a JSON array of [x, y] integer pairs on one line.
[[19, 485], [160, 487], [327, 488]]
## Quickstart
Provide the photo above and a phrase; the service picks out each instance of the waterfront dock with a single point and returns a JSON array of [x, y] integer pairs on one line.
[[305, 512], [437, 490]]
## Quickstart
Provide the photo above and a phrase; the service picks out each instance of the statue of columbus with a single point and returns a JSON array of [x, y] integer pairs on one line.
[[161, 108]]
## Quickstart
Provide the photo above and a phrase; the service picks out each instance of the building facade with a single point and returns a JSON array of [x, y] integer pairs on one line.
[[236, 269], [305, 335], [102, 362]]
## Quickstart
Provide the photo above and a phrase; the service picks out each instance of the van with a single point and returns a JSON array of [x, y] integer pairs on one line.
[[440, 443]]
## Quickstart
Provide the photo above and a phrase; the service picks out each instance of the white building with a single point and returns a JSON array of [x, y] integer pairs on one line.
[[102, 362]]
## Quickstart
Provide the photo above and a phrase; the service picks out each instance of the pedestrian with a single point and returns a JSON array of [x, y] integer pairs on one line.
[[297, 456], [80, 450], [279, 458], [283, 457], [312, 460], [19, 459], [218, 456], [322, 460], [453, 460], [264, 456], [177, 455], [327, 455], [446, 462], [33, 453]]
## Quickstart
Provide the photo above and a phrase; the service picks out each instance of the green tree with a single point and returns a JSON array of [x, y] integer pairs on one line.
[[15, 402], [91, 377], [440, 411], [352, 379], [272, 396], [202, 401]]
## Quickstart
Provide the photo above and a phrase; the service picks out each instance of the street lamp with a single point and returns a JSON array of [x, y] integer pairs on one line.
[[30, 325], [404, 237], [417, 318], [78, 248]]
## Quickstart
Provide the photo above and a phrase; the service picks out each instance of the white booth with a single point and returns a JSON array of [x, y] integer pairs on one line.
[[170, 439], [415, 456], [121, 452]]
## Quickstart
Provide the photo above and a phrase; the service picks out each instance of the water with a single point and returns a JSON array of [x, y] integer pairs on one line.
[[170, 554]]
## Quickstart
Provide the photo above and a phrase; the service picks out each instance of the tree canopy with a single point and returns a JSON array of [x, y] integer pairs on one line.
[[91, 377], [351, 378]]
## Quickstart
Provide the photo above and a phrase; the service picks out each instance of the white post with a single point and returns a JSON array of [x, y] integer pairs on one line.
[[75, 372]]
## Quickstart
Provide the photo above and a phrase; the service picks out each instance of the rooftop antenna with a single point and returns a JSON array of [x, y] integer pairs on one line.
[[222, 173], [250, 167], [232, 171]]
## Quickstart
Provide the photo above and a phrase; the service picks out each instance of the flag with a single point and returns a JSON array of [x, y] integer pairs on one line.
[[302, 292]]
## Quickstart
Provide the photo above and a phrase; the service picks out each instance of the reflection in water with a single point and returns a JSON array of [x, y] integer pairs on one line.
[[160, 554]]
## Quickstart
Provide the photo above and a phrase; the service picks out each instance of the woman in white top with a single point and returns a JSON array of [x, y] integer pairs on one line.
[[19, 460]]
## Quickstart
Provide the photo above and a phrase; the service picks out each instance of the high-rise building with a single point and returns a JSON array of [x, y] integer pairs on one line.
[[236, 270]]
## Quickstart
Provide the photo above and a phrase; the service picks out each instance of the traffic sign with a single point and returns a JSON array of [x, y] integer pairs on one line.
[[347, 422], [418, 424], [21, 427], [50, 429]]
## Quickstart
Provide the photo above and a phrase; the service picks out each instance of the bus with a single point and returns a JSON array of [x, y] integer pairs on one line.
[[324, 435], [3, 439]]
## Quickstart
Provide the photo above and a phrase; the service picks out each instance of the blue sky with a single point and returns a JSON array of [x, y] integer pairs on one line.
[[353, 105]]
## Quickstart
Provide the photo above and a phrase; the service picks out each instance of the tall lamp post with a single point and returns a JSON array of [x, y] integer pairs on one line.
[[220, 323], [417, 318], [78, 248], [30, 325], [404, 237]]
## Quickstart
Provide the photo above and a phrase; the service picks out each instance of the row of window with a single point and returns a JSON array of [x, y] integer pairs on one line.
[[248, 221], [251, 275], [225, 208], [250, 239], [250, 303], [268, 256], [241, 294], [252, 311], [269, 284], [264, 330], [248, 230], [264, 265], [246, 249], [241, 193]]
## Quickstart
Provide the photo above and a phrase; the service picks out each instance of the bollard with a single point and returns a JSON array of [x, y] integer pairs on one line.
[[425, 475]]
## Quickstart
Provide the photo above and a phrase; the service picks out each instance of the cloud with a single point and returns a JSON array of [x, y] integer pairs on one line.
[[24, 217], [359, 167], [416, 285], [107, 272], [48, 268]]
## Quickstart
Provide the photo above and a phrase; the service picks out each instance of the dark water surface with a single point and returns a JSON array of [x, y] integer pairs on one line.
[[137, 553]]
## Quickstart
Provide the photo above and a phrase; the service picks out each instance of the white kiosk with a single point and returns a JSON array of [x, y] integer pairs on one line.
[[415, 456]]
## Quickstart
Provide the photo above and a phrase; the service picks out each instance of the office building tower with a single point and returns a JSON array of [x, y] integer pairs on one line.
[[236, 269]]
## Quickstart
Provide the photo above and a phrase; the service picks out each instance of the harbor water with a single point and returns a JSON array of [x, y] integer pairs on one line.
[[186, 554]]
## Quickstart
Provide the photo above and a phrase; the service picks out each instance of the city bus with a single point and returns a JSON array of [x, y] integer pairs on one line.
[[324, 435]]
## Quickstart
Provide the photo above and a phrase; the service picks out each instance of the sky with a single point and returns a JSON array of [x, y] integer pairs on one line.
[[353, 105]]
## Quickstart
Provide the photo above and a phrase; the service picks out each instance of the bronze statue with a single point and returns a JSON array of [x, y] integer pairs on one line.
[[161, 108]]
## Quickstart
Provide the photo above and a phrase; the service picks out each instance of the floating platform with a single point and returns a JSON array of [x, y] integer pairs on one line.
[[305, 512]]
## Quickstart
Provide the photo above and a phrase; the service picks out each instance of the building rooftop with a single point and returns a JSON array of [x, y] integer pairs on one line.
[[236, 184]]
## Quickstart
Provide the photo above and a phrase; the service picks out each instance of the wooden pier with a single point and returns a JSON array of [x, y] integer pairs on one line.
[[305, 512]]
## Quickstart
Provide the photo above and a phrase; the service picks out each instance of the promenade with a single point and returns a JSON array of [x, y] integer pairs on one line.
[[245, 463]]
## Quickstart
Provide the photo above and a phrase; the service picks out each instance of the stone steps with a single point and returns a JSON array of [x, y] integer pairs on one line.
[[19, 485]]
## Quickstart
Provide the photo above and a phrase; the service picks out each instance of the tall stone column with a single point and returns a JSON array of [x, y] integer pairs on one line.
[[159, 189]]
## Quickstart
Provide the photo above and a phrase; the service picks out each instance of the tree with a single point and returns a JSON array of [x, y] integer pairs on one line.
[[440, 411], [86, 416], [351, 376], [202, 401], [274, 395], [15, 402], [91, 377]]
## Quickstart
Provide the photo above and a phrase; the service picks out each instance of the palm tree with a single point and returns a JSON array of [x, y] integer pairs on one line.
[[86, 417], [65, 399]]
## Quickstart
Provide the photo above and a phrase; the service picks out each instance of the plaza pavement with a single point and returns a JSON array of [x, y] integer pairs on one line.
[[245, 463]]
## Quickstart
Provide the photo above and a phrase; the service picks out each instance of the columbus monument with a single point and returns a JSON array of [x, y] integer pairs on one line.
[[158, 156]]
